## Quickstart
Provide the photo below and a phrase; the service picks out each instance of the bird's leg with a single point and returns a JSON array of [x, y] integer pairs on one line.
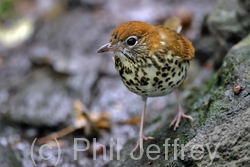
[[142, 137], [180, 114]]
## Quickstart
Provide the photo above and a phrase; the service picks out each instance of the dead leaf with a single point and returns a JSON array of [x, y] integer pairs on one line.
[[132, 121], [90, 122]]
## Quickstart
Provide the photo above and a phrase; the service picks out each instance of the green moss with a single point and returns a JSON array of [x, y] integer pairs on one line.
[[7, 9], [157, 119], [244, 42]]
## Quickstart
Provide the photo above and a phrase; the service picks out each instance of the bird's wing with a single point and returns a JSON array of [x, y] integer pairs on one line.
[[179, 44]]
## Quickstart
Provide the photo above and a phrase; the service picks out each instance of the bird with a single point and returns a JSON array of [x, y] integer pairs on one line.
[[152, 61]]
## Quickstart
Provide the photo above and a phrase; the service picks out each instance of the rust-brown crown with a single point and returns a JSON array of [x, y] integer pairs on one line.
[[136, 28]]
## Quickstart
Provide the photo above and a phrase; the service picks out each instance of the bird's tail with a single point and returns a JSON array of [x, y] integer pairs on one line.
[[174, 23]]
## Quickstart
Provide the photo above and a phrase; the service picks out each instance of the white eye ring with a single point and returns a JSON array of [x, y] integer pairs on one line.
[[132, 40]]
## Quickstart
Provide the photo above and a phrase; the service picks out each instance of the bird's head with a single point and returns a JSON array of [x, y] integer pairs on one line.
[[133, 38]]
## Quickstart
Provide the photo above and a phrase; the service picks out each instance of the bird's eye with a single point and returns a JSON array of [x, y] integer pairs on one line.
[[131, 41]]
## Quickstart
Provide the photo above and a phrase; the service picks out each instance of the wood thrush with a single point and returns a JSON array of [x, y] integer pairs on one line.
[[152, 61]]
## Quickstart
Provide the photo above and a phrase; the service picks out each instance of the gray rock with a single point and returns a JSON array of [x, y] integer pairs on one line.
[[69, 43], [44, 94], [205, 48], [226, 131], [229, 22], [29, 103], [7, 159], [226, 144], [42, 80]]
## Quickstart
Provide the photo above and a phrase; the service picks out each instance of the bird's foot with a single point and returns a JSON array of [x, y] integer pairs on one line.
[[178, 117], [140, 142]]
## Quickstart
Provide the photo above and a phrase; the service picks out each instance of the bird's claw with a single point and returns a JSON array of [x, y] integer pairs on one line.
[[177, 119], [140, 142]]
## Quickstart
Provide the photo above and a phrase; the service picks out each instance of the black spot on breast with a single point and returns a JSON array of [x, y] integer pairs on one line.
[[160, 86], [162, 60], [164, 75], [170, 61], [156, 79], [149, 65], [163, 69], [145, 60], [131, 81], [158, 73], [160, 82], [179, 64], [173, 69], [144, 81], [167, 79], [173, 75], [178, 82], [170, 83], [155, 64], [163, 89], [144, 73], [179, 73], [128, 83], [176, 62], [169, 68], [128, 71], [138, 88], [121, 71]]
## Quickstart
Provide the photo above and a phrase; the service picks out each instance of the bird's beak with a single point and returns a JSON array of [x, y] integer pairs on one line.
[[108, 47]]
